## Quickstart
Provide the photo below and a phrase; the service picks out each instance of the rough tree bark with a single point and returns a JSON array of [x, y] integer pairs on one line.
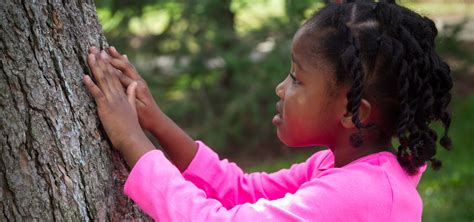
[[56, 163]]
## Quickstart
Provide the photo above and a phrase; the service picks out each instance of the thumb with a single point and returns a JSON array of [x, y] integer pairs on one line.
[[131, 94]]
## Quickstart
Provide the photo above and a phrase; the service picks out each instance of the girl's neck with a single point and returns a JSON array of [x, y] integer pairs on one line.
[[346, 153]]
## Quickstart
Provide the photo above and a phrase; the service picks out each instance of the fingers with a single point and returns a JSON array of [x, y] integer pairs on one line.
[[96, 71], [126, 68], [104, 73], [125, 80], [131, 94], [92, 50], [103, 64], [93, 89], [112, 74], [102, 60], [115, 54], [121, 62]]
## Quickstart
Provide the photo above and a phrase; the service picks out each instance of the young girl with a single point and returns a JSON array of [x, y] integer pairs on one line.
[[360, 74]]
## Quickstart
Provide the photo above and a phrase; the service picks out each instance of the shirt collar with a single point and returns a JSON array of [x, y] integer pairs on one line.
[[328, 159]]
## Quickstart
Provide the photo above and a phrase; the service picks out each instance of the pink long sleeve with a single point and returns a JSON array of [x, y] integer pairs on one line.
[[227, 183], [373, 188]]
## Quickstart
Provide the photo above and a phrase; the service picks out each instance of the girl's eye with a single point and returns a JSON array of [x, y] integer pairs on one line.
[[295, 81]]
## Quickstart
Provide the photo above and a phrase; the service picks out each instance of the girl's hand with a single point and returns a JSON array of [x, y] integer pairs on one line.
[[116, 109], [148, 111], [179, 146]]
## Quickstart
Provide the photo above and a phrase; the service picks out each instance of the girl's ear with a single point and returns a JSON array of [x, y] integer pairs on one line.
[[365, 110]]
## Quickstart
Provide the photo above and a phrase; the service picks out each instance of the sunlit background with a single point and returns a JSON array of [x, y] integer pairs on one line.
[[212, 65]]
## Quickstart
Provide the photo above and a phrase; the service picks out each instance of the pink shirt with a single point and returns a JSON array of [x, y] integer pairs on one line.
[[372, 188]]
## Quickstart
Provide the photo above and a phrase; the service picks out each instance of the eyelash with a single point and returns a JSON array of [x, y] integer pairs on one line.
[[295, 81]]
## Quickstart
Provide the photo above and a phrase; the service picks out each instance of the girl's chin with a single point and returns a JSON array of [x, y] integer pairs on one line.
[[290, 141], [283, 138]]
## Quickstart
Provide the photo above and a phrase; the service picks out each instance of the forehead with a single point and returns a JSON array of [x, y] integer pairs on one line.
[[307, 47], [309, 51], [299, 41]]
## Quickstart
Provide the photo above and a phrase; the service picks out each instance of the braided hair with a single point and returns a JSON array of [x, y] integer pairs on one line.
[[386, 53]]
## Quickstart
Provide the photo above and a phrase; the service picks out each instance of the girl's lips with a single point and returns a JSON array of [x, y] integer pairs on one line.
[[277, 120], [278, 107]]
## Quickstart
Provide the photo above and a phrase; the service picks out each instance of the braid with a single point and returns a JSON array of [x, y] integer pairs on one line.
[[417, 83], [387, 53], [352, 64]]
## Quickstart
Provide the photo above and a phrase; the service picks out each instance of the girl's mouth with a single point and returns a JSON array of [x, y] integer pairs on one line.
[[278, 118]]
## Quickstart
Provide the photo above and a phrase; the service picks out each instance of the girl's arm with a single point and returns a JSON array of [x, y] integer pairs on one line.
[[226, 182], [181, 149], [177, 144], [160, 190]]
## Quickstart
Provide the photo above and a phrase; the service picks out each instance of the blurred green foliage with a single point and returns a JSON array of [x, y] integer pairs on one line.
[[448, 43], [448, 194], [212, 66]]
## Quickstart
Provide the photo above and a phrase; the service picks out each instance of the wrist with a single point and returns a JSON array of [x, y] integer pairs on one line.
[[135, 147], [131, 141], [158, 123]]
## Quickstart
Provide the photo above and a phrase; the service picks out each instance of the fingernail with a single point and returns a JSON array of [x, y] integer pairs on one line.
[[113, 49], [92, 57]]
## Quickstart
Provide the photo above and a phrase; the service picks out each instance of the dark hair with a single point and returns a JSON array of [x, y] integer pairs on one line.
[[387, 53]]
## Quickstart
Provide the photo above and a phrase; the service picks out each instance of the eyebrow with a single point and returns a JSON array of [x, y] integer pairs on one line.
[[295, 61]]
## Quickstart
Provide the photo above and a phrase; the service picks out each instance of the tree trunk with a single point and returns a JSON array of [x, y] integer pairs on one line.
[[56, 162]]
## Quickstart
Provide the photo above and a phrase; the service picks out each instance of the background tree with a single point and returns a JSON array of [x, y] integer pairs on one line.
[[55, 164]]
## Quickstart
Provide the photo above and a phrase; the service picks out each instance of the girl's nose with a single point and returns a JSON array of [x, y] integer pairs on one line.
[[279, 90]]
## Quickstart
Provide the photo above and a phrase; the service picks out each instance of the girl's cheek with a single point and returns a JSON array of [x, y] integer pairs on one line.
[[290, 92], [301, 100], [296, 96]]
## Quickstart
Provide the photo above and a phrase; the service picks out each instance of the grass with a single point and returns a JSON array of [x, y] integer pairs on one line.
[[447, 194]]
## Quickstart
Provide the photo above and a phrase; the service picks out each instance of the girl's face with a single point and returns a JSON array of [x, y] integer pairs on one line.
[[307, 114]]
